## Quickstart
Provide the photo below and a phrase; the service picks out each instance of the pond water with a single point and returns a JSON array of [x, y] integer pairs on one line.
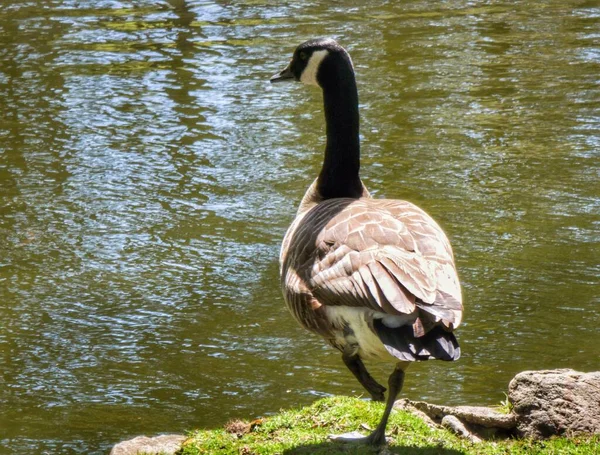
[[148, 172]]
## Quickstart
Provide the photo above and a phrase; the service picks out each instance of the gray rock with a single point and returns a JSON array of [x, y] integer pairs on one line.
[[475, 415], [166, 444], [555, 402], [455, 425], [472, 422], [406, 405]]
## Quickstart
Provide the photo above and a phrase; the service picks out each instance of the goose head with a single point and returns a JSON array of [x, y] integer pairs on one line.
[[321, 62]]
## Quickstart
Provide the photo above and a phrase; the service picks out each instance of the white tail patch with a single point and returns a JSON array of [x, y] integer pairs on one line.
[[309, 75], [394, 321]]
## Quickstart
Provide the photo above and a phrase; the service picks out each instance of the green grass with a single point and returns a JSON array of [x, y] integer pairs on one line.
[[306, 430], [505, 406]]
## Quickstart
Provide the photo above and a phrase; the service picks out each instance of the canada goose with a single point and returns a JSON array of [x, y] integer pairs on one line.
[[374, 277]]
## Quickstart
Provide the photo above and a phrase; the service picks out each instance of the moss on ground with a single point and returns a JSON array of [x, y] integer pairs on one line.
[[306, 430]]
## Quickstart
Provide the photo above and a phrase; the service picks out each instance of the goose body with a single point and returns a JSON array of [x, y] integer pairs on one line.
[[375, 277]]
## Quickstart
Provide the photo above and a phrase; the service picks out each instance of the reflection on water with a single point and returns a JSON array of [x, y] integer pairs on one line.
[[148, 173]]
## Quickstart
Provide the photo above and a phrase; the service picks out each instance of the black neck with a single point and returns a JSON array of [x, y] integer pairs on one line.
[[339, 176]]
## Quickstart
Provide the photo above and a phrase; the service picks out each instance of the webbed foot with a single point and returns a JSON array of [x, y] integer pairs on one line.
[[376, 439]]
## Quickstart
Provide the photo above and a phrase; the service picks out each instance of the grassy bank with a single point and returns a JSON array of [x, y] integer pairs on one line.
[[306, 430]]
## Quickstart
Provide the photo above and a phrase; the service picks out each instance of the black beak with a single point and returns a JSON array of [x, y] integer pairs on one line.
[[285, 75]]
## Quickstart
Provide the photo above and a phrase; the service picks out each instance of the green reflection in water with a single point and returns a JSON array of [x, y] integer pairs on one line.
[[148, 173]]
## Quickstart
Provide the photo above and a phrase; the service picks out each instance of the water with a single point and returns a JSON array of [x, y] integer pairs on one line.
[[148, 172]]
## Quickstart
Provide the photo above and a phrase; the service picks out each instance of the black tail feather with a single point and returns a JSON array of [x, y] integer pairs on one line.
[[401, 343]]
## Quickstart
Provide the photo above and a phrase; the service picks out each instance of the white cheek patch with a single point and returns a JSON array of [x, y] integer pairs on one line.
[[309, 75]]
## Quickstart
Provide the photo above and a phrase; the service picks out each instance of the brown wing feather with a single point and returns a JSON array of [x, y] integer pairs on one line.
[[435, 248], [385, 255]]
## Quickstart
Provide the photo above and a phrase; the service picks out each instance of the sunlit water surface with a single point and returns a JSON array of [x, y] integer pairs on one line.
[[148, 172]]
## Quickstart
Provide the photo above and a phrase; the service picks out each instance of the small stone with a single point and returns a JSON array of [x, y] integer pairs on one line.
[[407, 405], [456, 426], [166, 444], [475, 415], [484, 416]]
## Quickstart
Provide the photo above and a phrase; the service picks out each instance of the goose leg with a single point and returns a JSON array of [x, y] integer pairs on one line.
[[395, 382], [358, 369], [377, 437]]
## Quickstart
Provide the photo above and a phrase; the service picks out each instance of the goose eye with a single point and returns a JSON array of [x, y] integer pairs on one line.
[[303, 56]]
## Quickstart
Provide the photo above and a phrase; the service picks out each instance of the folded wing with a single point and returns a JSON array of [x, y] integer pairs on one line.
[[386, 255]]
